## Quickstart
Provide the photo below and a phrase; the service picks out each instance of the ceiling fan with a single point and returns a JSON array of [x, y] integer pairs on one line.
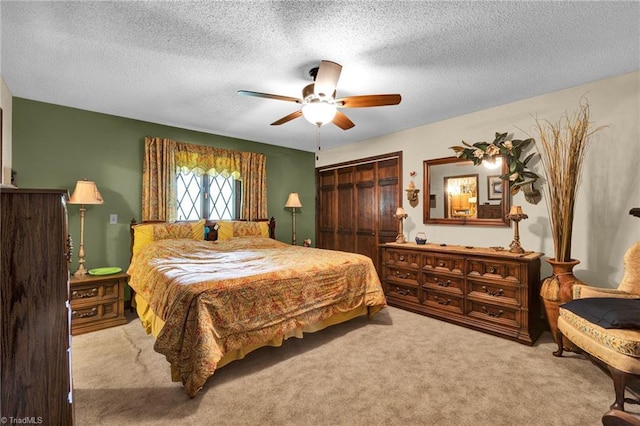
[[319, 103]]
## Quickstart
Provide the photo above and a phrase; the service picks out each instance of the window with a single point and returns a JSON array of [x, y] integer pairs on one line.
[[207, 197]]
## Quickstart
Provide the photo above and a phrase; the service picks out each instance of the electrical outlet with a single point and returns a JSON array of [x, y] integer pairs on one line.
[[113, 219]]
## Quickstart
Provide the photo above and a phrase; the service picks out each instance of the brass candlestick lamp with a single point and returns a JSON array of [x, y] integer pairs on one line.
[[293, 203], [516, 215], [85, 192], [401, 215]]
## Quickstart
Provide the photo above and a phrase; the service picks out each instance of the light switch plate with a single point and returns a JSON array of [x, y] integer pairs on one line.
[[113, 219]]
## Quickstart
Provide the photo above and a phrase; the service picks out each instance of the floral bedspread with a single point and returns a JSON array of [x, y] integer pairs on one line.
[[219, 296]]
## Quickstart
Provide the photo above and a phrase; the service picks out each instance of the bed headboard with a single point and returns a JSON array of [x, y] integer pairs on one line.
[[212, 235]]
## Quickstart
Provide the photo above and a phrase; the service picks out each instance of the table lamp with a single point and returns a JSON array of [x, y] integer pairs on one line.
[[516, 215], [85, 192], [293, 202], [401, 215]]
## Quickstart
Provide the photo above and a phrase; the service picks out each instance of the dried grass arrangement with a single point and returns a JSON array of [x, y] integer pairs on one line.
[[564, 144]]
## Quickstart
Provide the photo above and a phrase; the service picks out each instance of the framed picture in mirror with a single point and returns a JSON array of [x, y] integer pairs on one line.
[[494, 187]]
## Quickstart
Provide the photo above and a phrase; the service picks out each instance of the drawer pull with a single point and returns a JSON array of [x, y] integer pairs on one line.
[[401, 275], [442, 283], [492, 293], [441, 264], [492, 314], [402, 292], [442, 301], [401, 258], [92, 313], [492, 270], [91, 293], [69, 248]]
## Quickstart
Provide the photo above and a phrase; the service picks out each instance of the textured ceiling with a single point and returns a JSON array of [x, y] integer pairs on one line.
[[181, 63]]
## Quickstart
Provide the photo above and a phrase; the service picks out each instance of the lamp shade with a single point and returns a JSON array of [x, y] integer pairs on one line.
[[400, 211], [293, 200], [516, 210], [319, 113], [86, 192]]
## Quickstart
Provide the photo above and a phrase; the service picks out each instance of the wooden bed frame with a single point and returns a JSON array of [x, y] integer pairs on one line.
[[212, 235]]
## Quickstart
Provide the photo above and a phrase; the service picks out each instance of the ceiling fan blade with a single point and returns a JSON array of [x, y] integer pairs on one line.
[[269, 96], [342, 121], [327, 78], [366, 101], [287, 118]]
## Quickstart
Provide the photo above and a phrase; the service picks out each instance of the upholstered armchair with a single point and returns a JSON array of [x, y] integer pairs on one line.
[[629, 286], [605, 323]]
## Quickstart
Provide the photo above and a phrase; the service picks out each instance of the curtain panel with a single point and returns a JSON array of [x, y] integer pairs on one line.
[[165, 158]]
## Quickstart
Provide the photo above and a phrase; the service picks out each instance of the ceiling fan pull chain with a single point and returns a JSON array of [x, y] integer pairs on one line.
[[318, 138]]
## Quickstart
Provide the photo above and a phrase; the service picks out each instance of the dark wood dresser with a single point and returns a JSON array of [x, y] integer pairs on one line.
[[35, 342], [484, 289]]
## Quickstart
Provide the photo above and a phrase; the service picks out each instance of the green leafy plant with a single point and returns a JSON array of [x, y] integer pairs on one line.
[[509, 149]]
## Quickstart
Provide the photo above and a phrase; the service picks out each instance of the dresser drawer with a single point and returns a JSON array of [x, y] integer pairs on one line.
[[93, 292], [494, 269], [442, 300], [446, 283], [443, 263], [86, 313], [504, 315], [402, 258], [501, 293], [401, 275], [404, 292]]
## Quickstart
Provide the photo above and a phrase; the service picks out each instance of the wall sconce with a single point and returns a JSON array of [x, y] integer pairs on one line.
[[412, 196], [531, 194], [85, 192], [516, 215], [400, 215], [412, 192], [293, 202]]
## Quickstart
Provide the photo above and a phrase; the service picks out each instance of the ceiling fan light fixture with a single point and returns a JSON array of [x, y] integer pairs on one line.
[[319, 113]]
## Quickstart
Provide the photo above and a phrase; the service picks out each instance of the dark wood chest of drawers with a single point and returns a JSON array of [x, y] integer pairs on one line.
[[35, 344], [97, 302], [491, 291]]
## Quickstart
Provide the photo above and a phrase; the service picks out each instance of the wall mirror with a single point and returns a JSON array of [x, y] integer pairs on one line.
[[458, 193]]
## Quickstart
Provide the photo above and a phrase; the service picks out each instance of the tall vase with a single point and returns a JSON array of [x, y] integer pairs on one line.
[[556, 290]]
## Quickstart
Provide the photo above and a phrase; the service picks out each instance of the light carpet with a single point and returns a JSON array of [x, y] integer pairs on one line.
[[398, 368]]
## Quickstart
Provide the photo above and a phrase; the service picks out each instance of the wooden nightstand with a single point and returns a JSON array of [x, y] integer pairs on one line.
[[97, 302]]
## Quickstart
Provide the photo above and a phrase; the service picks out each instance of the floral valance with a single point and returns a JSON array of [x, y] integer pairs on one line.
[[201, 160]]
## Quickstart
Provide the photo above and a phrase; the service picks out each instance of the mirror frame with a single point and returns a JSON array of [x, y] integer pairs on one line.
[[505, 201]]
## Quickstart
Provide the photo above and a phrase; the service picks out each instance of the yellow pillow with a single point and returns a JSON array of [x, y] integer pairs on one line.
[[225, 230], [229, 229], [145, 233]]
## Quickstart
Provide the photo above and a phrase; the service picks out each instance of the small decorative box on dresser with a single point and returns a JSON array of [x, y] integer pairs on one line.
[[35, 344], [97, 302], [481, 288]]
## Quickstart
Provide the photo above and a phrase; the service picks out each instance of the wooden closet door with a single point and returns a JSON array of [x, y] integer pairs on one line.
[[346, 210], [389, 190], [366, 198], [327, 213], [356, 202]]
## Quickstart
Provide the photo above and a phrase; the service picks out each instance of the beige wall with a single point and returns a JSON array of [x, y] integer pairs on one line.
[[603, 229], [6, 103]]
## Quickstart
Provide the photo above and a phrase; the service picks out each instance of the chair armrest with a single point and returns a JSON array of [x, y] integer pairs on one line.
[[581, 291]]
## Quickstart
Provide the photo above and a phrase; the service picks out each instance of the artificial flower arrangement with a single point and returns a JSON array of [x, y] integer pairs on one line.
[[509, 149]]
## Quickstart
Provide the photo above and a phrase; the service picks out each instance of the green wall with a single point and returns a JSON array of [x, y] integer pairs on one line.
[[54, 146]]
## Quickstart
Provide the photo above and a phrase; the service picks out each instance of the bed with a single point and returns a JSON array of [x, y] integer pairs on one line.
[[210, 298]]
